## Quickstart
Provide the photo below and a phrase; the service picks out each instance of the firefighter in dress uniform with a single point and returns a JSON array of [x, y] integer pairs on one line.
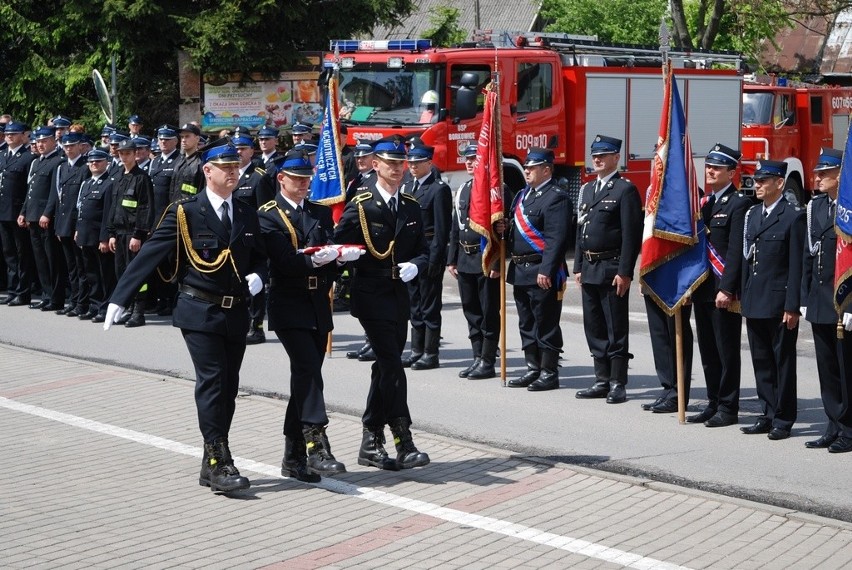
[[718, 321], [389, 224], [480, 293], [436, 208], [609, 237], [252, 190], [220, 261], [92, 238], [300, 313], [833, 355], [538, 242], [772, 282]]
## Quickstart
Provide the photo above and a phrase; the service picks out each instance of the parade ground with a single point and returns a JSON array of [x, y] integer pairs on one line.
[[101, 431]]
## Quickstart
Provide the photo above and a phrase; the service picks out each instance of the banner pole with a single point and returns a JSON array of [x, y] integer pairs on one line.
[[681, 396]]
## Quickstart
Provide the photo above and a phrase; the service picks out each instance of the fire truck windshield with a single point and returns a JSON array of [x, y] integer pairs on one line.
[[374, 94], [757, 108]]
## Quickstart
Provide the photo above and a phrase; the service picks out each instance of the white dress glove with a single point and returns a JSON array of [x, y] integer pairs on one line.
[[255, 283], [323, 256], [407, 271], [350, 254], [113, 315], [847, 321], [804, 311]]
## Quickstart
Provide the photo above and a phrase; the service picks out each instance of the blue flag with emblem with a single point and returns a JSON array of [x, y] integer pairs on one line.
[[843, 227], [674, 258], [328, 185]]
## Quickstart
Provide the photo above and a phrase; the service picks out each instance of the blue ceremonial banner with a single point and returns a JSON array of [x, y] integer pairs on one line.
[[843, 227], [328, 185], [674, 258]]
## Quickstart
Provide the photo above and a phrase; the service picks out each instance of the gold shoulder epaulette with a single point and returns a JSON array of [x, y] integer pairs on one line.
[[409, 197], [362, 197], [268, 206], [260, 170]]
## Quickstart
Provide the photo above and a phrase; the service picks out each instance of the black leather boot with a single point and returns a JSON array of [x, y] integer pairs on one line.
[[320, 459], [429, 360], [533, 358], [372, 452], [256, 334], [295, 462], [485, 367], [418, 340], [407, 455], [137, 316], [618, 381], [476, 345], [549, 377], [223, 475], [600, 388]]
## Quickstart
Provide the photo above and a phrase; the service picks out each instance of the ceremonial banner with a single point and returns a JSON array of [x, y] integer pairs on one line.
[[486, 194], [674, 245], [328, 185], [843, 227]]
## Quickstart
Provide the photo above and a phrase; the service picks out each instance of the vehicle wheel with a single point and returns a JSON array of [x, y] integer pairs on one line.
[[793, 191]]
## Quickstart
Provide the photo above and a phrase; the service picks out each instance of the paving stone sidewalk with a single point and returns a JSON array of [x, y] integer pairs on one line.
[[102, 473]]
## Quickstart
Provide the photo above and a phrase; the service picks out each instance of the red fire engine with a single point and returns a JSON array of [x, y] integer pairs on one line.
[[791, 123], [556, 91]]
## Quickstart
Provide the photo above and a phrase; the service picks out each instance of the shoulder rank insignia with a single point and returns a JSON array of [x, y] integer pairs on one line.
[[260, 171], [268, 206], [363, 196], [409, 197]]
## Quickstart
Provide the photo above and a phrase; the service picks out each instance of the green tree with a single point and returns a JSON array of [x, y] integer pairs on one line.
[[746, 26], [445, 30], [622, 21], [49, 48]]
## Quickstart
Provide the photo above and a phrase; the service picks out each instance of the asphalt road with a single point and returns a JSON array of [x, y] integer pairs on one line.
[[550, 425]]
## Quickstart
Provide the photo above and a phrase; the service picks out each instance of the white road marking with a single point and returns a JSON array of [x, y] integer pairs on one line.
[[489, 524]]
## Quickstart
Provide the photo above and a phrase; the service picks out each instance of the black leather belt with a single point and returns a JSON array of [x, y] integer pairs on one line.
[[390, 273], [469, 248], [224, 301], [529, 258], [599, 255], [309, 282]]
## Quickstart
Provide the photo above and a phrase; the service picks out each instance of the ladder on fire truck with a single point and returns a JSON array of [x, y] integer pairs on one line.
[[588, 51]]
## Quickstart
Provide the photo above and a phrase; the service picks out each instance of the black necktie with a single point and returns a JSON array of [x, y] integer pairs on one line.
[[597, 186], [832, 209], [300, 214], [415, 188], [392, 205], [226, 219]]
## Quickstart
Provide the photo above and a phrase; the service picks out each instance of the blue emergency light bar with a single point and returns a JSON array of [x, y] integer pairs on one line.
[[349, 46]]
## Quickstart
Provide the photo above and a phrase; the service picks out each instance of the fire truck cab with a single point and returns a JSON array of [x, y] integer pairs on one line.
[[791, 123], [556, 91]]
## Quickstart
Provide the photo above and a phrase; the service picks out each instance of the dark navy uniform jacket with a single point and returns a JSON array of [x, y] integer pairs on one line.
[[251, 188], [773, 248], [161, 170], [298, 291], [724, 220], [208, 238], [608, 222], [464, 242], [95, 203], [13, 182], [818, 263], [62, 204], [548, 209], [375, 294], [42, 183], [436, 209]]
